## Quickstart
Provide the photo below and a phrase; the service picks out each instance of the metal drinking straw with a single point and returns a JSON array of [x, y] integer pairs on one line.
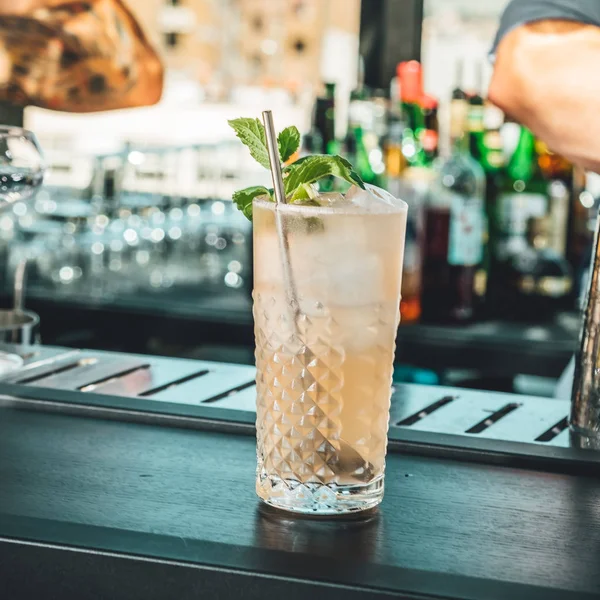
[[274, 157], [282, 233]]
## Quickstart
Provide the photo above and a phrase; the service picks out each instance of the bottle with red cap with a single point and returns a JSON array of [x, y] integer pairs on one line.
[[410, 78]]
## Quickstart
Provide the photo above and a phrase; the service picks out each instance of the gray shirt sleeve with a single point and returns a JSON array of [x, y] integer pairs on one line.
[[519, 12]]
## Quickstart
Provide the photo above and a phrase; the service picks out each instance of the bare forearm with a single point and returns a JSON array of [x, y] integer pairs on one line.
[[545, 77]]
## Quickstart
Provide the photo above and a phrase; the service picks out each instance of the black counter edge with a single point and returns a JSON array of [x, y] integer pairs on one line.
[[56, 548]]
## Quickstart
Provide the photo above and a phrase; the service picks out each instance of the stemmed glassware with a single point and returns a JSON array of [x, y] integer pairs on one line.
[[21, 174]]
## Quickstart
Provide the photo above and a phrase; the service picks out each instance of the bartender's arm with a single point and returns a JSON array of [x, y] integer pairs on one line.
[[76, 55], [547, 74]]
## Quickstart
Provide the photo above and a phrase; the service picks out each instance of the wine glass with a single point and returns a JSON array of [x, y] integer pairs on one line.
[[21, 165], [21, 174]]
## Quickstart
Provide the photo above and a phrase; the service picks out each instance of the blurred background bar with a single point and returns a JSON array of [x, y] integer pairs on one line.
[[134, 244]]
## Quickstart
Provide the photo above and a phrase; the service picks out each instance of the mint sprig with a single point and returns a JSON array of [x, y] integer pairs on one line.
[[299, 176]]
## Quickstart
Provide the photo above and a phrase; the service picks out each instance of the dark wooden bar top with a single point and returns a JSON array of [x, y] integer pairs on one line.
[[93, 509]]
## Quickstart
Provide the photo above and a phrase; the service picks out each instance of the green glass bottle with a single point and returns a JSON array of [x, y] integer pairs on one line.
[[522, 196], [475, 121], [363, 164]]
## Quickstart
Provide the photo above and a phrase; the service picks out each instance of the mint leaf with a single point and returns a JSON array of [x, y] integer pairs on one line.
[[243, 198], [251, 132], [312, 168], [288, 142]]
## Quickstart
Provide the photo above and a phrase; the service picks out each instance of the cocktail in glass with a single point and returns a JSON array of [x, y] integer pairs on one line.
[[326, 295]]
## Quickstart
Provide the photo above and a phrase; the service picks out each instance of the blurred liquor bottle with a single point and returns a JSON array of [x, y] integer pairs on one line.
[[522, 196], [429, 136], [410, 77], [484, 122], [379, 131], [364, 138], [410, 81], [324, 129], [493, 156], [476, 134], [454, 236], [561, 178], [539, 278], [413, 187], [527, 236], [357, 153], [459, 107], [557, 290], [475, 119], [409, 178], [325, 118], [492, 160], [395, 162], [312, 142]]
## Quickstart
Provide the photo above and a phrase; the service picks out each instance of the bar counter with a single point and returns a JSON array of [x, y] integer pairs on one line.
[[118, 500]]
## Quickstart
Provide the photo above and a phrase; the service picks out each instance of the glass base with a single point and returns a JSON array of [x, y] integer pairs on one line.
[[319, 499]]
